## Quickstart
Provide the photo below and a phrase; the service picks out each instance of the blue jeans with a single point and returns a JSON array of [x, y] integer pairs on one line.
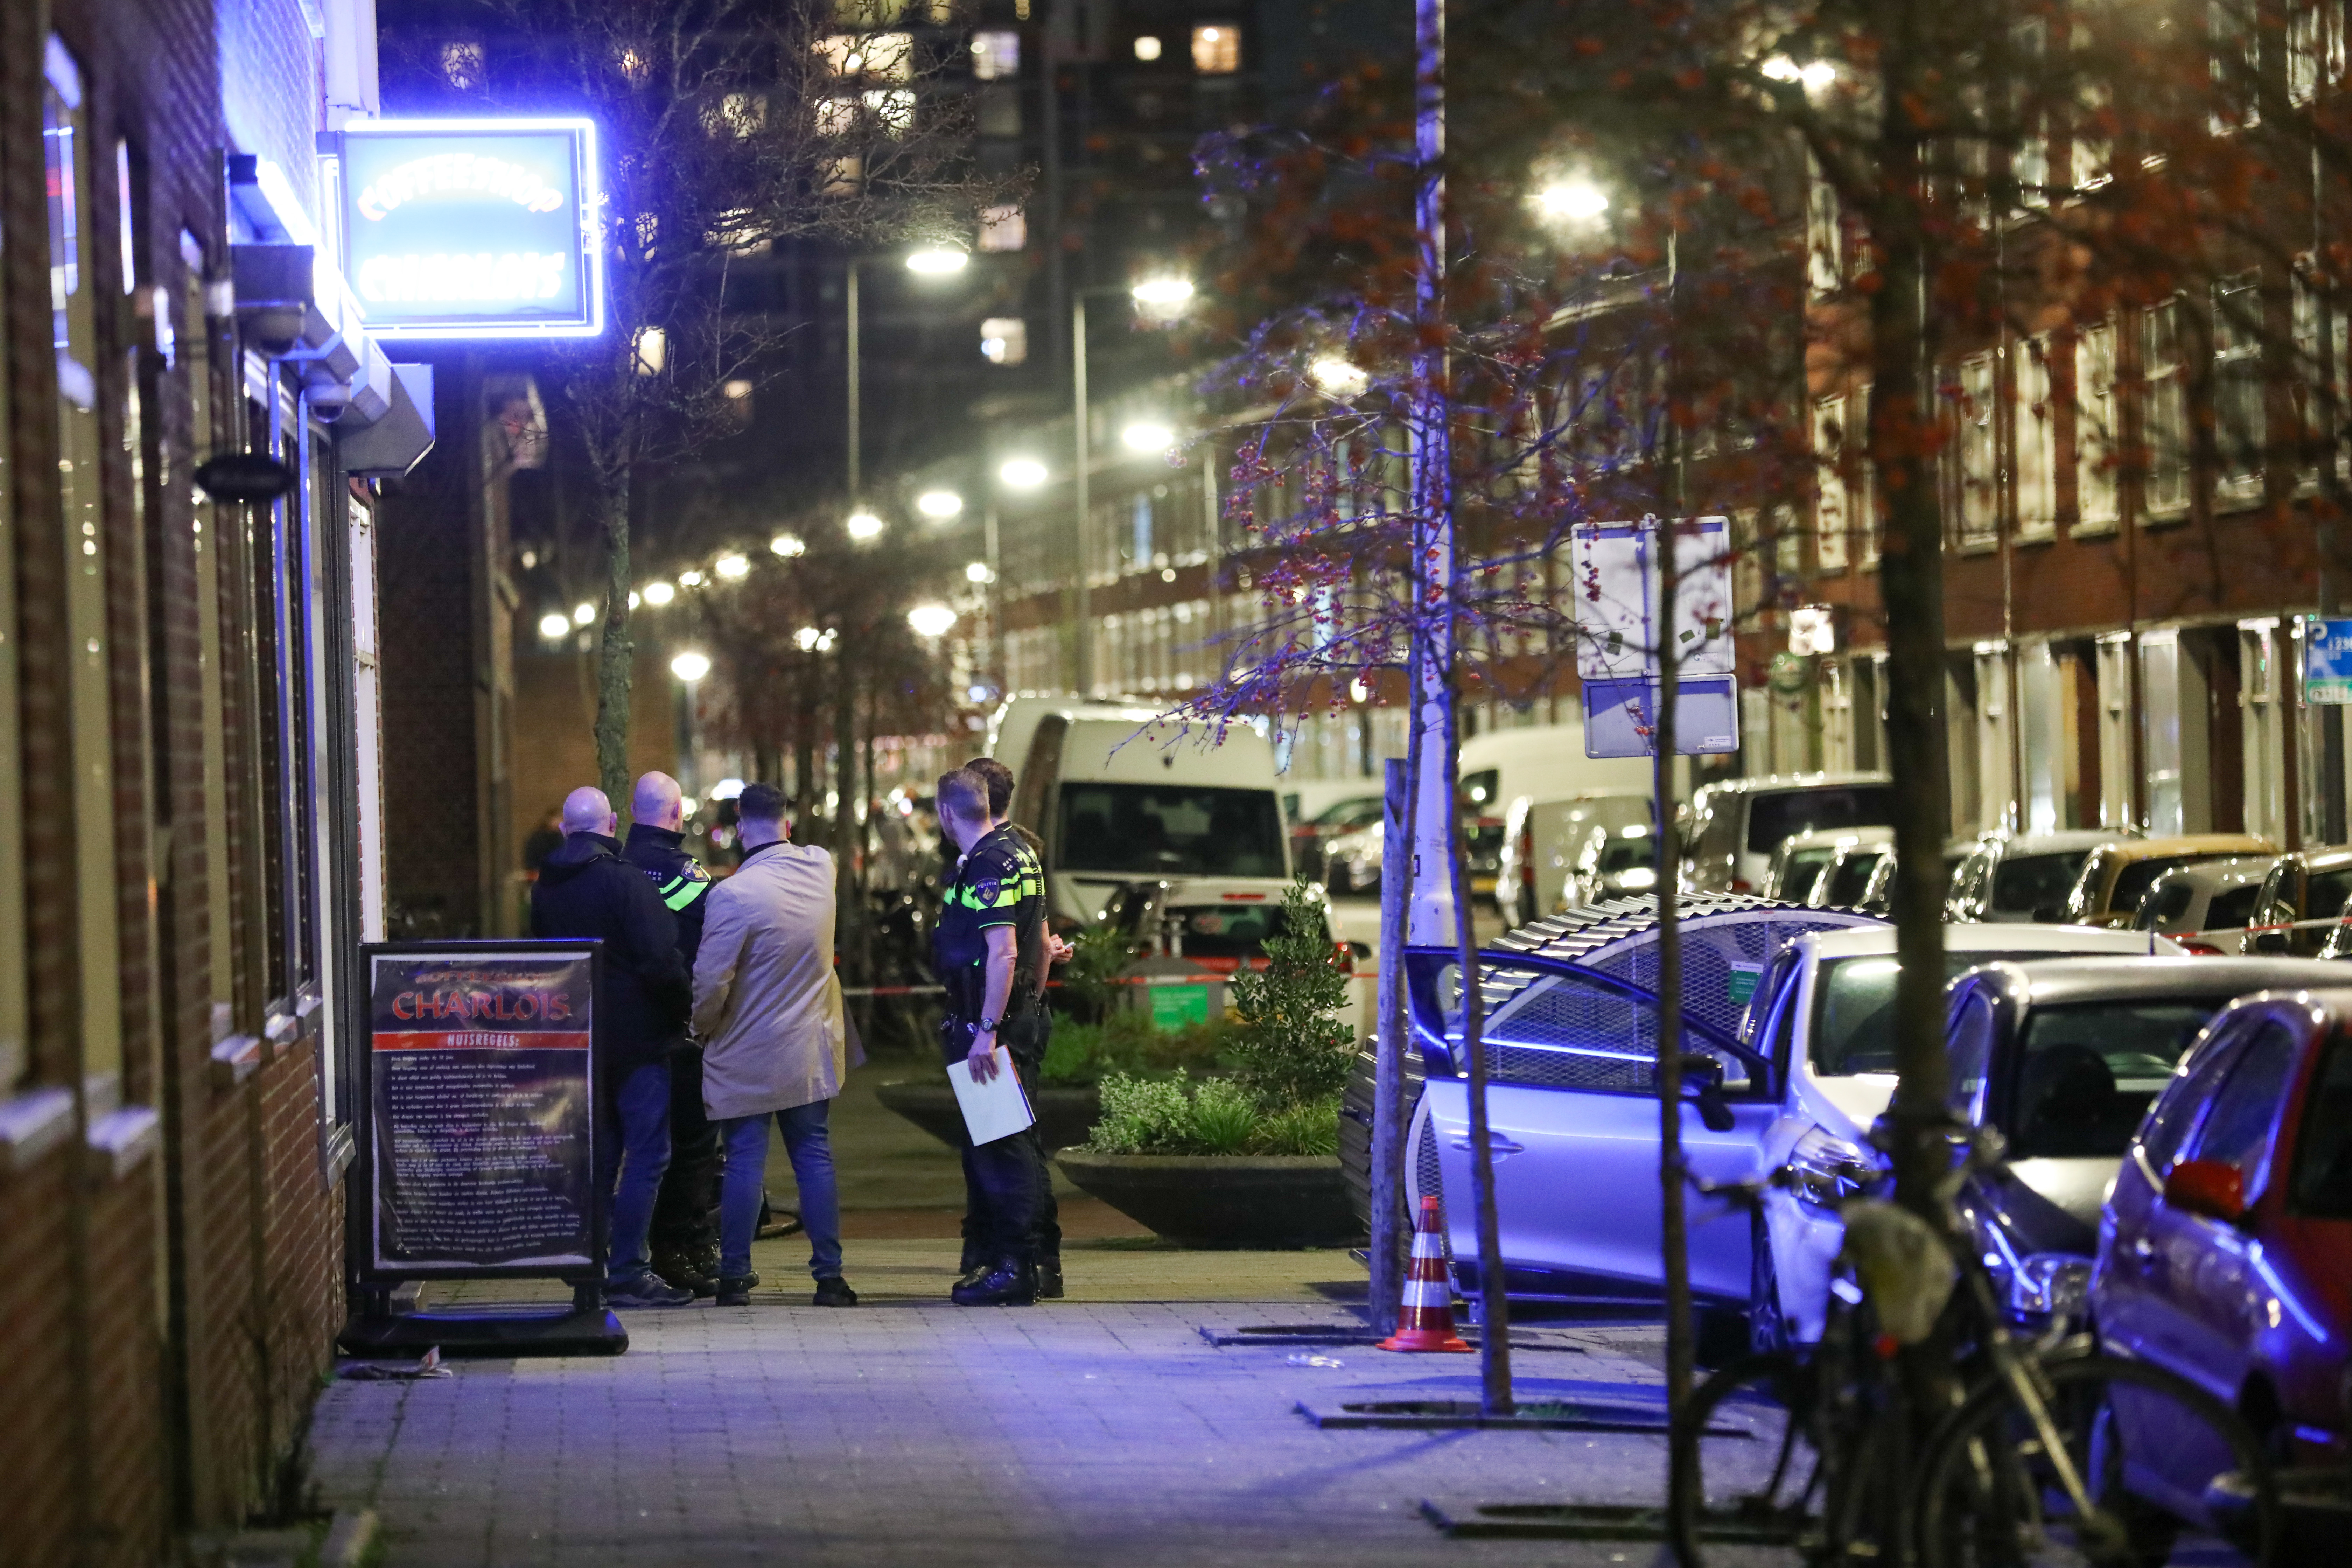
[[810, 1145], [633, 1164]]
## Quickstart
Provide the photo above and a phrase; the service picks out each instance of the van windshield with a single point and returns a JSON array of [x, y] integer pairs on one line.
[[1775, 815], [1169, 831]]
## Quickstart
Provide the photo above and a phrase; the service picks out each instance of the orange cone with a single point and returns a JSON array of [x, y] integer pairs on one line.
[[1425, 1320]]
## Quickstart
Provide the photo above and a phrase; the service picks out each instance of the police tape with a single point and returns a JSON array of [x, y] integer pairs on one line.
[[1057, 984]]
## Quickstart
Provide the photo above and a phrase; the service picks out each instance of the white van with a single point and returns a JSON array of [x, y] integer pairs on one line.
[[1120, 797], [1542, 837], [1547, 762]]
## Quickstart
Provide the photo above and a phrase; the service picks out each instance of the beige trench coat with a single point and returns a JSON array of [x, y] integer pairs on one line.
[[767, 1003]]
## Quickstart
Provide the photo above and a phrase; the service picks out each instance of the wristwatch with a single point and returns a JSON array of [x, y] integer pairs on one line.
[[987, 1026]]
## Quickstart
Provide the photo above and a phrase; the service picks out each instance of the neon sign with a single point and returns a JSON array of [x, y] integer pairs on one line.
[[473, 228]]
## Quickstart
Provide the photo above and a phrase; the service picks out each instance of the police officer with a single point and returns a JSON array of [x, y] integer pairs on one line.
[[988, 918], [686, 1216], [1026, 1035]]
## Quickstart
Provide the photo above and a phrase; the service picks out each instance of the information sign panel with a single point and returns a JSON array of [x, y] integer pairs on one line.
[[2327, 662], [1615, 594], [473, 228], [482, 1110], [1620, 716]]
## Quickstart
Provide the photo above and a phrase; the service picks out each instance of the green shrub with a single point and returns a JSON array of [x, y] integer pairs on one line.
[[1143, 1116], [1292, 1047], [1224, 1116], [1127, 1042], [1311, 1127]]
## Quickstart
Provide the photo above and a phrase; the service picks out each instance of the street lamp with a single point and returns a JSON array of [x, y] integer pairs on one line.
[[582, 613], [939, 505], [689, 579], [1148, 437], [787, 545], [1577, 201], [659, 594], [931, 620], [1335, 377], [1022, 473], [931, 262], [1164, 298], [937, 261], [690, 667], [731, 566], [864, 526], [555, 626], [977, 573]]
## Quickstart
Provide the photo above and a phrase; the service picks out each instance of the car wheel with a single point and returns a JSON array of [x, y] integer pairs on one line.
[[1768, 1325]]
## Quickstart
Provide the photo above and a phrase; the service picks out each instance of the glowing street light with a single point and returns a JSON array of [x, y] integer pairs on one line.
[[1337, 378], [690, 667], [554, 625], [787, 545], [689, 579], [731, 567], [937, 261], [931, 620], [1814, 75], [582, 613], [1022, 473], [1148, 437], [1577, 201], [939, 505], [864, 527], [632, 598], [807, 638], [978, 572], [1163, 296], [659, 594]]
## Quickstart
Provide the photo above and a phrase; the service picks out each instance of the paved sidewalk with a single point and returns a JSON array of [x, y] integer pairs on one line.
[[907, 1433]]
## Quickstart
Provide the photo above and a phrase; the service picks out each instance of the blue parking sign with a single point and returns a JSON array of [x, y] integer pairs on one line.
[[2326, 660]]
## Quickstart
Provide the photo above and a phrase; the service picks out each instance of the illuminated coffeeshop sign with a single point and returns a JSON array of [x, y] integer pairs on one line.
[[473, 228]]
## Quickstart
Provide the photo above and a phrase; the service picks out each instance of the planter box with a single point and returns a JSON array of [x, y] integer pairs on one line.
[[1066, 1112], [1257, 1201]]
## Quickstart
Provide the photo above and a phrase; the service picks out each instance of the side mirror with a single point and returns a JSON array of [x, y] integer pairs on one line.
[[2212, 1188], [1714, 1110], [2271, 940]]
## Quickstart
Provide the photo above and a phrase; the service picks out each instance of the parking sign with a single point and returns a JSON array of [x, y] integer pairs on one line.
[[2326, 660]]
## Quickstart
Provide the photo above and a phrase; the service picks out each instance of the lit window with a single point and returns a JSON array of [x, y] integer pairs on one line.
[[836, 116], [1146, 48], [1217, 49], [886, 56], [1003, 229], [868, 12], [2096, 430], [893, 110], [996, 55], [1005, 340]]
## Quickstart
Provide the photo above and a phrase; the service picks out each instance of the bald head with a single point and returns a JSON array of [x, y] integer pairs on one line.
[[585, 810], [659, 803]]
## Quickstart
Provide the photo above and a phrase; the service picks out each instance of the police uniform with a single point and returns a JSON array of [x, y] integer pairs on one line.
[[999, 883], [685, 1241]]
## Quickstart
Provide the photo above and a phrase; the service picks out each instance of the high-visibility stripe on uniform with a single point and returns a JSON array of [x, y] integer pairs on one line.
[[681, 891]]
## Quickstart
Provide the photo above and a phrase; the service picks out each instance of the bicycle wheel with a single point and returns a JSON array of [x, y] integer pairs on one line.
[[1747, 1448], [2105, 1474]]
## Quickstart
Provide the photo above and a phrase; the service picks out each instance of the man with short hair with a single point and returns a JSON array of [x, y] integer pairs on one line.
[[776, 1043], [1027, 1033], [585, 889], [988, 919], [685, 1237]]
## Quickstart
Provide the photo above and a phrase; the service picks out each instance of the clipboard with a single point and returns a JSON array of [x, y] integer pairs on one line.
[[994, 1109]]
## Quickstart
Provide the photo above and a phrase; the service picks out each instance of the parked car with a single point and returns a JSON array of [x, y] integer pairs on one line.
[[2205, 906], [1542, 761], [1877, 897], [1542, 837], [1823, 1016], [2009, 876], [2116, 875], [2225, 1253], [1613, 863], [1570, 1032], [1309, 834], [1351, 862], [1736, 824], [2065, 1057], [1845, 880], [2302, 892], [1220, 922], [1798, 864]]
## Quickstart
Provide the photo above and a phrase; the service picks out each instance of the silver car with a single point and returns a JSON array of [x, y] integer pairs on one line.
[[2205, 906], [2016, 878]]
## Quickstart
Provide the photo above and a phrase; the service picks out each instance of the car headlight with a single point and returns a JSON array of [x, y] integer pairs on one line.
[[2055, 1283], [1825, 1171]]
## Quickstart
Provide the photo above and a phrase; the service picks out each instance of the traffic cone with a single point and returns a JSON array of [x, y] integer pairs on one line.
[[1425, 1321]]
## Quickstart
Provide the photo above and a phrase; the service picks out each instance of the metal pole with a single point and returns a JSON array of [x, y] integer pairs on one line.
[[855, 476], [989, 548], [1084, 613], [1389, 1248]]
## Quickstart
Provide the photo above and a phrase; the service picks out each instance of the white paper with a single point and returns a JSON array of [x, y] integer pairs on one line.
[[997, 1109]]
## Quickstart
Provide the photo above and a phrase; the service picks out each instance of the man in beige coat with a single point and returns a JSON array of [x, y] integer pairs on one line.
[[775, 1039]]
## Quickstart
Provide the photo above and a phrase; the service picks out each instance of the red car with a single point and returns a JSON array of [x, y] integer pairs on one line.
[[2225, 1250]]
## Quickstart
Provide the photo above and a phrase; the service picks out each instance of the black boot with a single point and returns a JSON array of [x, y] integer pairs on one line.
[[1011, 1283], [735, 1290], [1049, 1278]]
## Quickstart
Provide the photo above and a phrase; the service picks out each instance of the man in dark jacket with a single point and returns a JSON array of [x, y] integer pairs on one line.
[[685, 1237], [586, 889]]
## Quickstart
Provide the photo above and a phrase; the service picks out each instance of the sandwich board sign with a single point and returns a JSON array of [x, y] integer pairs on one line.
[[479, 1131], [1618, 615]]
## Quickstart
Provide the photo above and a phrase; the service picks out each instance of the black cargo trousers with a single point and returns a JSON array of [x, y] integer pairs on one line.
[[1009, 1210], [686, 1215]]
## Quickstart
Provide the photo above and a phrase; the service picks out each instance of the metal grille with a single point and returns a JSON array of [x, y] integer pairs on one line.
[[1427, 1180], [1559, 1034], [1570, 1069]]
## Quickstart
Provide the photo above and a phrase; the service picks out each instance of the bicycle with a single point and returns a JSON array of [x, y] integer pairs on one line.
[[2028, 1456]]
